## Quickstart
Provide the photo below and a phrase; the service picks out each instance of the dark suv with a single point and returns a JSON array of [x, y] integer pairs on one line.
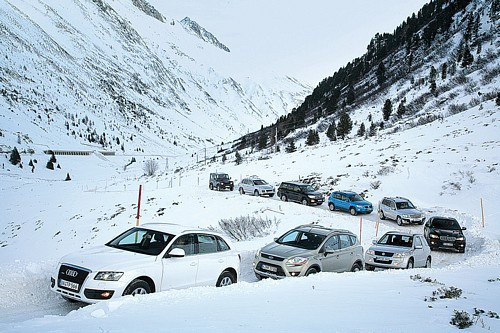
[[220, 181], [444, 233], [300, 192]]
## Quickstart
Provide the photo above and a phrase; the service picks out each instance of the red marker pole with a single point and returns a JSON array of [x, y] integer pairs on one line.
[[360, 227], [139, 206]]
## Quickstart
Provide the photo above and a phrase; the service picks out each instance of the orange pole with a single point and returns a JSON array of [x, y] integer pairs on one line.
[[482, 212], [360, 227], [139, 206]]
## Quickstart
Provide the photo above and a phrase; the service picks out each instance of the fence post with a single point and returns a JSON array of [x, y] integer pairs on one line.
[[139, 206], [376, 226], [482, 212], [360, 227]]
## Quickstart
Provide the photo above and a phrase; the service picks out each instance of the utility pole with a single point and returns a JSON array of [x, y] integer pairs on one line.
[[205, 155]]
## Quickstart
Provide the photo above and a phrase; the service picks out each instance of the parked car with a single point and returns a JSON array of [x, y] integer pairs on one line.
[[309, 249], [444, 233], [398, 250], [400, 210], [220, 181], [256, 186], [152, 257], [350, 202], [299, 192]]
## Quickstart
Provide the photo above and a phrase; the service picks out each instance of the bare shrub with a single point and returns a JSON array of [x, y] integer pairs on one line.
[[150, 167], [461, 319], [469, 175], [456, 108], [385, 170], [375, 184], [247, 227]]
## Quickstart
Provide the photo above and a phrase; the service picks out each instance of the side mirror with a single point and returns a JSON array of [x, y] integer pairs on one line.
[[374, 242], [427, 224], [418, 247], [464, 228], [275, 239], [177, 253]]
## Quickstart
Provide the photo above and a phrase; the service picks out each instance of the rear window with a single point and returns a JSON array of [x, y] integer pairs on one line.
[[445, 224]]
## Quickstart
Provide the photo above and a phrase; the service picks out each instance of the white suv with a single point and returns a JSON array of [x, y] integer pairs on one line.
[[152, 257]]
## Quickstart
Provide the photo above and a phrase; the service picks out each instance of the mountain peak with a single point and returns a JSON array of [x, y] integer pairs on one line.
[[202, 33]]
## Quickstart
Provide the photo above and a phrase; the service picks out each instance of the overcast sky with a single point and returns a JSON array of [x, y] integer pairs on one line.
[[308, 40]]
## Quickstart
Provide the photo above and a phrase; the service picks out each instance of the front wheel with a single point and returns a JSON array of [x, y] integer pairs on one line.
[[381, 215], [241, 190], [331, 206], [225, 279], [231, 188], [353, 211], [256, 193], [369, 267], [284, 198], [399, 221], [356, 267], [211, 187], [410, 264], [428, 263], [304, 202], [311, 270], [137, 287]]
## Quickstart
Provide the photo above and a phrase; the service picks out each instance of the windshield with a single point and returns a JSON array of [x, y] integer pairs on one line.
[[259, 182], [396, 240], [404, 205], [307, 188], [446, 224], [222, 176], [141, 241], [301, 239], [356, 197]]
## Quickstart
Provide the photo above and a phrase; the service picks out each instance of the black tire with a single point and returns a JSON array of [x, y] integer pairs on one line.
[[353, 211], [369, 268], [311, 270], [211, 187], [461, 251], [284, 198], [259, 277], [256, 193], [410, 264], [242, 191], [356, 267], [331, 206], [428, 263], [381, 215], [137, 287], [225, 279], [271, 195], [218, 187], [399, 221], [231, 188], [304, 202]]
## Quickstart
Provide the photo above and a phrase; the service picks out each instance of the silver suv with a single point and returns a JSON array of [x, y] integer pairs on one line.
[[398, 250], [309, 249], [256, 186], [400, 210]]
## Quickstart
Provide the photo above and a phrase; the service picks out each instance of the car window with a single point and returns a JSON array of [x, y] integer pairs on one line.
[[222, 245], [185, 242], [296, 188], [143, 241], [418, 242], [393, 205], [206, 244], [332, 243], [344, 241], [386, 202], [343, 198], [353, 239], [259, 182], [355, 197], [338, 196], [405, 205]]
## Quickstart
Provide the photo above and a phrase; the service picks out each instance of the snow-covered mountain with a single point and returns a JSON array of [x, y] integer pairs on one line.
[[120, 75]]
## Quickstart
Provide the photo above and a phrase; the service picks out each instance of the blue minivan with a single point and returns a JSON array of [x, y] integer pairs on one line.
[[350, 202]]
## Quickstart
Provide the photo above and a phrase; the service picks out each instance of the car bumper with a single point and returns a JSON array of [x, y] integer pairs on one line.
[[386, 262], [413, 220], [447, 245], [273, 270], [364, 210], [316, 201]]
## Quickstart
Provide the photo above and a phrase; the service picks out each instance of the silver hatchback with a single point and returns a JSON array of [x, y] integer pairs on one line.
[[309, 249], [398, 250], [256, 186], [400, 210]]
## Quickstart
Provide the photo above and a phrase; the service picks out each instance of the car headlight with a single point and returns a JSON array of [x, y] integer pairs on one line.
[[433, 236], [371, 252], [311, 196], [405, 216], [297, 261], [460, 238], [257, 254], [359, 206], [399, 255], [108, 276]]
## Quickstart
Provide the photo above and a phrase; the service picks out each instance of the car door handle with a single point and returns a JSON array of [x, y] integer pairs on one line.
[[194, 263]]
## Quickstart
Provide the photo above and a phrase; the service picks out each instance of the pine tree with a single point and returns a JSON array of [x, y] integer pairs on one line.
[[401, 109], [50, 165], [53, 158], [344, 125], [467, 58], [381, 78], [291, 146], [262, 140], [15, 158], [238, 158], [312, 138], [330, 132], [433, 88], [444, 70], [432, 74], [498, 99], [373, 129], [350, 95], [361, 130], [387, 109]]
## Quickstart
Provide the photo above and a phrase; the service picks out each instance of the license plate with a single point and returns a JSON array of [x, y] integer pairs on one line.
[[383, 260], [447, 244], [68, 284], [269, 268]]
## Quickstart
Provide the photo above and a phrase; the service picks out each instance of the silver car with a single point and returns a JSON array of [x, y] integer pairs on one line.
[[309, 249], [398, 250], [256, 186], [400, 210]]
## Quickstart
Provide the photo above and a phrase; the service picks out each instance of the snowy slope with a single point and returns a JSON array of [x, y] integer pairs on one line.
[[73, 72]]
